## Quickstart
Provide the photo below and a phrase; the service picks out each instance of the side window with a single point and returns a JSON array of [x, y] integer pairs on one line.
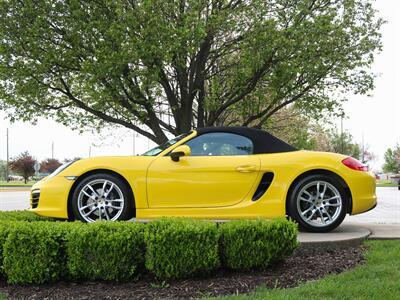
[[220, 143]]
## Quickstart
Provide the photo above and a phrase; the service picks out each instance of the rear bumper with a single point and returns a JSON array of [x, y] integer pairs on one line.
[[363, 190]]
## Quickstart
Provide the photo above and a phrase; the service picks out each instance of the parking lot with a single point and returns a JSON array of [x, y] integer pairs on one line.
[[387, 211]]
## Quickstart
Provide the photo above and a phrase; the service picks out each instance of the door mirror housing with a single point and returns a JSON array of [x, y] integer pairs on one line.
[[180, 151]]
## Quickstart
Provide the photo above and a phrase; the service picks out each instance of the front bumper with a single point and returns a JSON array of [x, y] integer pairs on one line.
[[49, 197]]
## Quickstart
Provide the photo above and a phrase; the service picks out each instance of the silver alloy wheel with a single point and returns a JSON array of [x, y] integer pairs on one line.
[[319, 203], [100, 199]]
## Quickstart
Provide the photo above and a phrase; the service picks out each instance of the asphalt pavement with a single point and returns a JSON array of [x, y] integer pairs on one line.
[[14, 199]]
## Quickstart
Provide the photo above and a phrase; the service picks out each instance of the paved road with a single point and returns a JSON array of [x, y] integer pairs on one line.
[[387, 211], [12, 200]]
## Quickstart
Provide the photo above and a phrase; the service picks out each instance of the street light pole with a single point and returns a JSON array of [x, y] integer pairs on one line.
[[7, 163], [341, 134], [133, 143]]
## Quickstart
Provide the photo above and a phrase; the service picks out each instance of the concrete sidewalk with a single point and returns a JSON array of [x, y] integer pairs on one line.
[[344, 235], [350, 234], [380, 231]]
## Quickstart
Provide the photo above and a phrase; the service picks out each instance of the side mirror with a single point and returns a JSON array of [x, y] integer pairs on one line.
[[178, 152]]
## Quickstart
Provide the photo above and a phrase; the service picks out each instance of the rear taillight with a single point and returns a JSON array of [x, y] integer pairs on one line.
[[354, 164]]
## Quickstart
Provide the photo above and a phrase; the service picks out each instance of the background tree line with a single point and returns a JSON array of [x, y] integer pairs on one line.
[[392, 160], [23, 165]]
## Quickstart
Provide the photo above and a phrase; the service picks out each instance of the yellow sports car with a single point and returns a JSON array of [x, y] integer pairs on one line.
[[211, 173]]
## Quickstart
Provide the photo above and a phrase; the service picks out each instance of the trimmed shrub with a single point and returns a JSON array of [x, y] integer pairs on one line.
[[5, 228], [252, 244], [22, 215], [106, 250], [35, 252], [179, 248]]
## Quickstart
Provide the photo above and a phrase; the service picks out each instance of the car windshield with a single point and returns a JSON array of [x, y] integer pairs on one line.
[[157, 150]]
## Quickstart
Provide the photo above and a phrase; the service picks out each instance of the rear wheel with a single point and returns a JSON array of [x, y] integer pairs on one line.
[[102, 197], [318, 203]]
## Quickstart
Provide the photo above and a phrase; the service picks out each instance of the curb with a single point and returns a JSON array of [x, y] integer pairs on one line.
[[344, 236]]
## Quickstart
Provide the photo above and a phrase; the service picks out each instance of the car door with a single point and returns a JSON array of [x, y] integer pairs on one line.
[[220, 171]]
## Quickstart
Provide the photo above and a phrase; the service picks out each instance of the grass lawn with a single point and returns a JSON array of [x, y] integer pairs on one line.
[[16, 183], [379, 279], [381, 183]]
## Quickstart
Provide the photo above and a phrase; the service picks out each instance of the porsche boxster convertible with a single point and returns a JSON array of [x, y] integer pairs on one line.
[[218, 173]]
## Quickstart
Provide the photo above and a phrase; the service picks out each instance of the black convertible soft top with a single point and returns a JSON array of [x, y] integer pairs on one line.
[[263, 141]]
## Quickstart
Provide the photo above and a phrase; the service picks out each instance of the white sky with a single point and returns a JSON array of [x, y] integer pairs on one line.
[[376, 118]]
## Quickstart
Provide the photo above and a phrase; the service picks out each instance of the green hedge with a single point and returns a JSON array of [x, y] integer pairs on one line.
[[39, 252], [22, 215], [107, 251], [178, 248], [5, 228], [250, 244], [35, 252]]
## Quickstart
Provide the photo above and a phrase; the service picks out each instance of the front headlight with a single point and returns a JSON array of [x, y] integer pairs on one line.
[[61, 168]]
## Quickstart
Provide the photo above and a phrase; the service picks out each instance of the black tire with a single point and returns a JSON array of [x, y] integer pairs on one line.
[[316, 205], [102, 204]]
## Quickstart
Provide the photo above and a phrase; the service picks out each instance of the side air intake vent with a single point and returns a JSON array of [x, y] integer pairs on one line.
[[263, 186]]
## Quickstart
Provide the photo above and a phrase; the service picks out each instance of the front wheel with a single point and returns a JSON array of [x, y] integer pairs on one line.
[[318, 203], [102, 197]]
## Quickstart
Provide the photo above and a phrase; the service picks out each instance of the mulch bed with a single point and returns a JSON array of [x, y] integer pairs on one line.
[[305, 265]]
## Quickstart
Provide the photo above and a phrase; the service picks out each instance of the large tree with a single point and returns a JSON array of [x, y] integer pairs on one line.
[[167, 66], [392, 160], [23, 165], [49, 165]]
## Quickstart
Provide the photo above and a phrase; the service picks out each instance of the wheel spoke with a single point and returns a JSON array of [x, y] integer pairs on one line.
[[115, 207], [308, 194], [109, 190], [324, 190], [90, 196], [94, 193], [305, 200], [100, 213], [307, 210], [104, 187], [327, 213], [106, 214], [333, 204], [86, 206], [115, 200], [312, 214], [332, 198], [91, 211], [318, 185], [322, 216]]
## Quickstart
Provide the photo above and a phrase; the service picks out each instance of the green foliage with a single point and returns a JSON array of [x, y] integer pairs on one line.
[[87, 63], [293, 126], [343, 143], [41, 252], [179, 248], [392, 160], [22, 215], [106, 251], [5, 228], [250, 244], [35, 252], [3, 170]]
